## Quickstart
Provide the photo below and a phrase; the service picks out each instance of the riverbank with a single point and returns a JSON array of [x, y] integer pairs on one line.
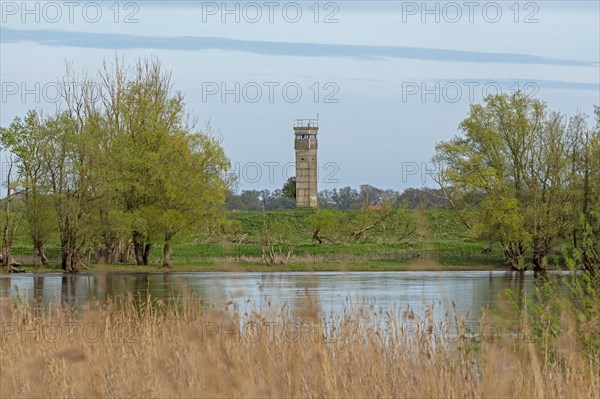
[[436, 242], [223, 266]]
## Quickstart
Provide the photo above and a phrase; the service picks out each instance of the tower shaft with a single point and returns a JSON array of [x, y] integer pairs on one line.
[[306, 145]]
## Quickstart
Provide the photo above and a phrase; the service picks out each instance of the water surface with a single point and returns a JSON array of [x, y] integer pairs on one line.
[[467, 292]]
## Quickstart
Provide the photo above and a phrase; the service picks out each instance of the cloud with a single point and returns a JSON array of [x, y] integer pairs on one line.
[[529, 86], [114, 41]]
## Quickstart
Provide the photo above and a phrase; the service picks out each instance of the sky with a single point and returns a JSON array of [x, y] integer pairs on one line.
[[386, 79]]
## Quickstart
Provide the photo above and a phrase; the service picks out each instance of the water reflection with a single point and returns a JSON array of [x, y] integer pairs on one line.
[[466, 291]]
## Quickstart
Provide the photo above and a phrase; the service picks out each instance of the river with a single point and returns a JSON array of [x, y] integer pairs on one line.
[[463, 292]]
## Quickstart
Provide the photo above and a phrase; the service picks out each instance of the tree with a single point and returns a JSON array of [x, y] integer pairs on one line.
[[10, 220], [190, 186], [251, 200], [584, 191], [424, 198], [370, 195], [142, 116], [69, 152], [171, 178], [23, 139], [289, 188], [120, 161], [278, 200], [346, 198], [274, 241], [322, 224], [512, 157]]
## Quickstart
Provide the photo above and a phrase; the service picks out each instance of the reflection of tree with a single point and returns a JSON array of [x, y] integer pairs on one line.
[[103, 287], [38, 288], [307, 299], [141, 284], [175, 286], [490, 292], [540, 278], [5, 286], [38, 295], [520, 289], [68, 292]]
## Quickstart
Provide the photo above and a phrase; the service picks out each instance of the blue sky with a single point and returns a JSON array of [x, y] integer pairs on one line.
[[387, 79]]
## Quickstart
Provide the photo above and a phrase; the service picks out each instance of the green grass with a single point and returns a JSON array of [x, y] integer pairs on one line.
[[454, 245], [444, 243]]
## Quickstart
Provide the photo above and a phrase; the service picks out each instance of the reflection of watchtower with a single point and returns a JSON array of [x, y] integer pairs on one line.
[[306, 144]]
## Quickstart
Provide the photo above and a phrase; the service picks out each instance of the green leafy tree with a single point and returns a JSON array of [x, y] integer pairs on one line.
[[346, 198], [322, 224], [23, 138], [512, 155], [289, 188], [170, 177], [189, 186]]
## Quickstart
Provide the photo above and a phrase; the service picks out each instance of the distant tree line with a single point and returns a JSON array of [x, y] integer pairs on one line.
[[345, 198]]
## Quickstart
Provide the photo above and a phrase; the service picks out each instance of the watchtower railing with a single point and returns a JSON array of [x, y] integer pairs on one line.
[[306, 123]]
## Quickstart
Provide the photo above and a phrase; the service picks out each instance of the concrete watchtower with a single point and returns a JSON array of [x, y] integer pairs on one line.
[[306, 145]]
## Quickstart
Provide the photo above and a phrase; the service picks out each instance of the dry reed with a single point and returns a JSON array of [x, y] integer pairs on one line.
[[188, 349]]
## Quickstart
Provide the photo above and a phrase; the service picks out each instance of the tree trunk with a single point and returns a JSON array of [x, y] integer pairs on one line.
[[316, 238], [540, 250], [40, 252], [69, 260], [146, 254], [111, 251], [112, 254], [142, 249], [6, 259], [537, 260], [7, 233], [138, 246], [513, 253], [167, 255], [126, 254], [139, 253]]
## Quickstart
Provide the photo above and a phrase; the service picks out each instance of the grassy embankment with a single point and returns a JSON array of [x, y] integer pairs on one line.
[[438, 242]]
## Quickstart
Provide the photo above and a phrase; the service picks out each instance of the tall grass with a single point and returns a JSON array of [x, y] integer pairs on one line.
[[187, 348]]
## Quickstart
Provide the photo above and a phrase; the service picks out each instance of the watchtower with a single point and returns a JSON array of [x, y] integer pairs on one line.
[[306, 145]]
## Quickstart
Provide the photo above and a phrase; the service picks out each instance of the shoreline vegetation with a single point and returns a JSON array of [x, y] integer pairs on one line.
[[436, 241], [191, 349], [236, 267]]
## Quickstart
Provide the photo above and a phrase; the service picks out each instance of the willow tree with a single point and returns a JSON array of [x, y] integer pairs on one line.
[[120, 160], [584, 190], [24, 139], [142, 115], [188, 186], [512, 154], [170, 177], [10, 218], [69, 153]]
